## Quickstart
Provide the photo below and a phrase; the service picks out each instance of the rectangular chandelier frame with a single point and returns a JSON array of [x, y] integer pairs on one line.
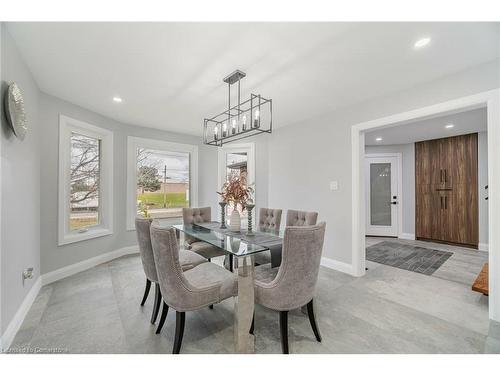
[[243, 120]]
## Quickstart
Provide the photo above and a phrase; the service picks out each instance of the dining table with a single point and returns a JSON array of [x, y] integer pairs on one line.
[[240, 247]]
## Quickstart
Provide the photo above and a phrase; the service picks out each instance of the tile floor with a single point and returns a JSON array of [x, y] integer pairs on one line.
[[389, 310]]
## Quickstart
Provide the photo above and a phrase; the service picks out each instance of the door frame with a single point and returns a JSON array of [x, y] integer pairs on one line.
[[399, 167], [249, 148], [489, 99]]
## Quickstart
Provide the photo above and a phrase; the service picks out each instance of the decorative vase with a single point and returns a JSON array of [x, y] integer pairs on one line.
[[249, 208], [222, 215], [235, 221]]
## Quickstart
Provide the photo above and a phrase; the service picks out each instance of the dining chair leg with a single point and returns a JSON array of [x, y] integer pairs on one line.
[[211, 307], [231, 262], [156, 307], [312, 320], [284, 331], [252, 327], [163, 316], [180, 318], [146, 292]]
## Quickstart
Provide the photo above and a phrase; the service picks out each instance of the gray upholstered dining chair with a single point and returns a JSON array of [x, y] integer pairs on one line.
[[296, 218], [188, 260], [269, 220], [200, 215], [189, 290], [293, 284]]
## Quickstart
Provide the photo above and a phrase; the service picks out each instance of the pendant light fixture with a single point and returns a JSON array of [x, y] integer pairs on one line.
[[245, 119]]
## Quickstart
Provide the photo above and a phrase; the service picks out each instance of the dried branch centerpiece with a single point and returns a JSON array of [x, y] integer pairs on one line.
[[236, 191]]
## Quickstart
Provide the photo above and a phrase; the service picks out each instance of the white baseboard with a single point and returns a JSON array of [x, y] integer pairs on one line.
[[337, 266], [21, 313], [483, 247], [407, 236], [73, 269]]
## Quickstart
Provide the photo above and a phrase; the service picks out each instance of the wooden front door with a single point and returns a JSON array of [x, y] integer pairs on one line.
[[446, 190]]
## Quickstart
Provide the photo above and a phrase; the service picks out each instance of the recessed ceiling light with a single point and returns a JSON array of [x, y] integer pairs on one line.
[[378, 139], [117, 99], [422, 42], [449, 126]]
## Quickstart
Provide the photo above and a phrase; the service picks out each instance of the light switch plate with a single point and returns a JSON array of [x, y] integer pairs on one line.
[[334, 185]]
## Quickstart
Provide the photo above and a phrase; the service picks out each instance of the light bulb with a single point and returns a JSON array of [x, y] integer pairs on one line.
[[244, 122], [224, 129], [233, 130], [256, 121], [216, 131]]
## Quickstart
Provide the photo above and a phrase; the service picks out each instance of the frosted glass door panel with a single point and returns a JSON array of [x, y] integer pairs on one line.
[[380, 194]]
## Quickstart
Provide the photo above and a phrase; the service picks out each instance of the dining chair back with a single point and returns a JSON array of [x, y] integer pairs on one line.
[[296, 218], [270, 219]]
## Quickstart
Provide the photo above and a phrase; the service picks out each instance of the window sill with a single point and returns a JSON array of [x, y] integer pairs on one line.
[[77, 237]]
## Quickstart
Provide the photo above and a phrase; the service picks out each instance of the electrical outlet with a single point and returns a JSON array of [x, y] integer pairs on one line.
[[28, 273], [334, 185]]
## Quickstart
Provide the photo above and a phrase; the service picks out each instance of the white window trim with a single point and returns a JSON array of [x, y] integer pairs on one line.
[[132, 144], [66, 126], [249, 148]]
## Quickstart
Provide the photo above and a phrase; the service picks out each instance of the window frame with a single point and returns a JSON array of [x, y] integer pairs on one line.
[[68, 125], [249, 148], [132, 144]]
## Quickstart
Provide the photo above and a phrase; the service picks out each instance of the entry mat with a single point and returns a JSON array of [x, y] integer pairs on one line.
[[407, 257]]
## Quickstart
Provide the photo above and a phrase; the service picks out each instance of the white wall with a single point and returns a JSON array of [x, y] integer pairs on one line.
[[408, 178], [20, 197], [305, 157]]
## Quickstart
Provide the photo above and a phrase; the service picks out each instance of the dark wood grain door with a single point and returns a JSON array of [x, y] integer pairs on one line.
[[427, 224], [428, 178], [446, 190]]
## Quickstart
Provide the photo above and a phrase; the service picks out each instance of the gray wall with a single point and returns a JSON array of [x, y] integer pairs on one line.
[[20, 177], [306, 156], [408, 161], [52, 255]]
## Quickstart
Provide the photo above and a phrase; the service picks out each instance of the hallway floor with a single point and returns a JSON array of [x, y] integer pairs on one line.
[[389, 310]]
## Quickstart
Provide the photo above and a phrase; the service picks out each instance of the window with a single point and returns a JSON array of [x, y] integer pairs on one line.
[[161, 179], [85, 181], [237, 159]]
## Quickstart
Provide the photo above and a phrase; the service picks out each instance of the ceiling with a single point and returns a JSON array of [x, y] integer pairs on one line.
[[169, 75], [472, 121]]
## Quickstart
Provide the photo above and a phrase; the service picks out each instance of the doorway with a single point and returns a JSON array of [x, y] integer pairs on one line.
[[383, 194], [489, 100]]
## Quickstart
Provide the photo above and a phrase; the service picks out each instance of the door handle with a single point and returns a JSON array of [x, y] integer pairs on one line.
[[445, 176], [445, 202], [393, 202], [441, 201], [440, 175]]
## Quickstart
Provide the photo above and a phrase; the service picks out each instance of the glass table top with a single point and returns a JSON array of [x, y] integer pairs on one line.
[[236, 243]]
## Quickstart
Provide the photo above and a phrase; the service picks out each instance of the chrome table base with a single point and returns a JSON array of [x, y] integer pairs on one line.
[[244, 306]]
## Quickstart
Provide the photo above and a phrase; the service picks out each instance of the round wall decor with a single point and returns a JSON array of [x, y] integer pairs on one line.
[[14, 110]]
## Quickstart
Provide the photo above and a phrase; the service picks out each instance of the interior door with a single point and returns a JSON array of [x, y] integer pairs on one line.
[[382, 195]]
